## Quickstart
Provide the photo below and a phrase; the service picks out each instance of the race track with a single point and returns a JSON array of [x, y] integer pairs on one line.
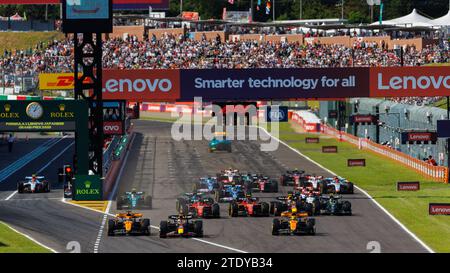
[[166, 168]]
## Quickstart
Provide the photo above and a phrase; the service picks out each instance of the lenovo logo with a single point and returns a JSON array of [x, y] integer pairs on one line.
[[419, 136], [408, 186], [138, 85], [356, 162], [113, 128], [413, 82], [439, 209]]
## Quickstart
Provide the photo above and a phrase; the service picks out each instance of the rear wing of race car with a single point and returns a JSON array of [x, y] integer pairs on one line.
[[37, 177], [138, 192], [176, 217], [327, 196]]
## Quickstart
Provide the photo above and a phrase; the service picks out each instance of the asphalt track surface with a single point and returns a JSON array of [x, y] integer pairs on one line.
[[165, 168]]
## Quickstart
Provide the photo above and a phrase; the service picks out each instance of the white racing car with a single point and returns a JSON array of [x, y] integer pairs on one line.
[[33, 184]]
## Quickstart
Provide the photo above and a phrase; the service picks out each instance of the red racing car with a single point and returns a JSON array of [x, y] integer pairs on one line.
[[204, 208], [248, 206]]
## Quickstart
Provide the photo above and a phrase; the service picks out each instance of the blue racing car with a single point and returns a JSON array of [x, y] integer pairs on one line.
[[206, 185], [134, 200]]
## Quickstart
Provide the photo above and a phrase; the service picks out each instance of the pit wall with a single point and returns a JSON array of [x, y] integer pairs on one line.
[[110, 177]]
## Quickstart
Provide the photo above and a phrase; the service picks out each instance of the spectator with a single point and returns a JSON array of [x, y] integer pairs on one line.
[[11, 140], [431, 161]]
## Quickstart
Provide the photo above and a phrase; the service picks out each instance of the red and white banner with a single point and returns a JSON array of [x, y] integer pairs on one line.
[[439, 209]]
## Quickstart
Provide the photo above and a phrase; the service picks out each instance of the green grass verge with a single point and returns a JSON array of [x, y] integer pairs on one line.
[[379, 180], [13, 242], [26, 40]]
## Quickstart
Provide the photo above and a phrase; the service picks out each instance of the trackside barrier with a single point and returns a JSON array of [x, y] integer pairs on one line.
[[116, 164], [437, 173]]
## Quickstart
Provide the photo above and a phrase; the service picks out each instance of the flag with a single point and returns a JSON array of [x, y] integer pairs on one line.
[[231, 2]]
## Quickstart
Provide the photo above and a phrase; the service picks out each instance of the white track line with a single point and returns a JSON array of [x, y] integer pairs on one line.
[[363, 191], [29, 237], [45, 167]]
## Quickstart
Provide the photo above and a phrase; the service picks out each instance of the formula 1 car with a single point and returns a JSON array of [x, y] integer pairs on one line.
[[186, 199], [293, 178], [248, 206], [286, 203], [228, 193], [337, 185], [261, 183], [313, 183], [180, 226], [134, 200], [33, 184], [294, 224], [203, 208], [206, 184], [229, 176], [219, 144], [129, 224], [334, 205]]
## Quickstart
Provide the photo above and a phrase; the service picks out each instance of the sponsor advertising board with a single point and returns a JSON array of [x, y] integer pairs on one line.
[[363, 119], [260, 84], [356, 162], [141, 85], [443, 128], [113, 127], [32, 116], [56, 81], [439, 208], [408, 186], [269, 83], [312, 140], [329, 149], [425, 137], [277, 114], [409, 81], [87, 187]]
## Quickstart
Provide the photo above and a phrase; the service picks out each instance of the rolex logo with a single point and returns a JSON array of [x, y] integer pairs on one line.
[[7, 107], [62, 107], [87, 184]]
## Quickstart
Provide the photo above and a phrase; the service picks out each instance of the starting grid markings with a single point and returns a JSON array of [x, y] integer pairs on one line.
[[95, 205]]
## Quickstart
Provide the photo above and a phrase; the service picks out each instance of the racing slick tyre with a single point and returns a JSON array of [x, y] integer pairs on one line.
[[350, 188], [111, 227], [46, 186], [198, 228], [278, 209], [275, 227], [210, 150], [145, 227], [310, 224], [347, 207], [163, 229], [316, 207], [148, 202], [272, 207], [20, 187], [119, 203], [233, 210], [265, 209], [216, 210], [217, 196]]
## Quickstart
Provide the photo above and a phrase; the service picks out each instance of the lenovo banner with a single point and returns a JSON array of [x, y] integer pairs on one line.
[[312, 140], [409, 81], [141, 85], [363, 119], [356, 162], [231, 84], [439, 209], [419, 137], [408, 186], [329, 149]]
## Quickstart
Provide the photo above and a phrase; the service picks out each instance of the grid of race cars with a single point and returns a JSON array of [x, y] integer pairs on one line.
[[309, 196]]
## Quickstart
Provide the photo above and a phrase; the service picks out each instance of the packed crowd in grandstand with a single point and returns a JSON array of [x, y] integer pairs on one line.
[[181, 52]]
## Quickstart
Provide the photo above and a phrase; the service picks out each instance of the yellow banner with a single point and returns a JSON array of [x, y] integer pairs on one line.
[[56, 81]]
